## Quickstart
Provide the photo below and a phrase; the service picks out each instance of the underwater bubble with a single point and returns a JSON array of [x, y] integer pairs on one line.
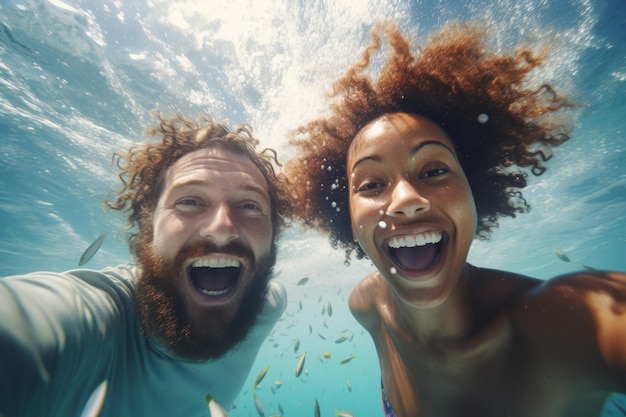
[[382, 224], [482, 118], [381, 212], [393, 270], [333, 204]]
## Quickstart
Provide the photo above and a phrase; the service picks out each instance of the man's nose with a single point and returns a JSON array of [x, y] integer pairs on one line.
[[406, 200], [219, 226]]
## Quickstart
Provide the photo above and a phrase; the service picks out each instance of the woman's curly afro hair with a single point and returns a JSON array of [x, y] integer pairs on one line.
[[501, 127]]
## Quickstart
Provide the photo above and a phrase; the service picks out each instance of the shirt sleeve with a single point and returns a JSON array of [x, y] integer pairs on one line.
[[52, 326], [276, 299]]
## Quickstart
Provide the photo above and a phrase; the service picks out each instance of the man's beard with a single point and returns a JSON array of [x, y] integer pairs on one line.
[[165, 318]]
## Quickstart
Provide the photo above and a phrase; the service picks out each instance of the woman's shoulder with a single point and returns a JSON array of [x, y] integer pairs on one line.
[[365, 298]]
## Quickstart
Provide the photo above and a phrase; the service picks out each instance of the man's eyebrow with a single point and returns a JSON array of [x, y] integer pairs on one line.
[[413, 151], [247, 186]]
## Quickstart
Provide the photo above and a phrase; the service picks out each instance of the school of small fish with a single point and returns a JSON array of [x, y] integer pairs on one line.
[[324, 329]]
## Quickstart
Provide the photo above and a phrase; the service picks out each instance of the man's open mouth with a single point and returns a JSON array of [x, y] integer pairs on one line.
[[416, 253], [214, 277]]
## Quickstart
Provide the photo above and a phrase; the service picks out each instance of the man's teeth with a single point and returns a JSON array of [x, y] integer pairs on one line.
[[409, 241], [213, 292], [216, 263]]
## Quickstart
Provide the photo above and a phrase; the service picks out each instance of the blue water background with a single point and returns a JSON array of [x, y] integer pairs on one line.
[[78, 79]]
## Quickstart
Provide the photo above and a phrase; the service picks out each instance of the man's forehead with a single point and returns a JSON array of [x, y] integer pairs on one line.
[[214, 162]]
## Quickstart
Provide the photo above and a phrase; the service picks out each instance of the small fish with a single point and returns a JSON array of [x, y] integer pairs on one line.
[[296, 346], [281, 409], [278, 383], [259, 405], [324, 309], [562, 256], [347, 359], [327, 355], [300, 364], [329, 310], [342, 338], [310, 329], [92, 249], [303, 281], [321, 336], [348, 385], [300, 305], [343, 414], [260, 377], [317, 408], [588, 268], [95, 401], [215, 408]]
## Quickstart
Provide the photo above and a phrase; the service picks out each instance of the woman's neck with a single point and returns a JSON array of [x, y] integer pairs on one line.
[[449, 322]]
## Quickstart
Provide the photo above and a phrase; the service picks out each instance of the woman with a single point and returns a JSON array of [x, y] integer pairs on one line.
[[407, 171]]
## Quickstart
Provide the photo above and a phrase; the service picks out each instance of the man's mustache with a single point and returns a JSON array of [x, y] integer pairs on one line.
[[200, 249]]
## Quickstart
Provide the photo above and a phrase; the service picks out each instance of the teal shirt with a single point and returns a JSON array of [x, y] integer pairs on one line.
[[62, 334]]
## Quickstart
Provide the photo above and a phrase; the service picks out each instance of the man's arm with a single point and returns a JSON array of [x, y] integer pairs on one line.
[[50, 324]]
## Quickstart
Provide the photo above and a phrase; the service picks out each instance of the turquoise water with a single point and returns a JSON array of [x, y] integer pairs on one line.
[[78, 79]]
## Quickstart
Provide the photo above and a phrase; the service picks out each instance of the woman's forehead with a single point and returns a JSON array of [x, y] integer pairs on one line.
[[391, 130]]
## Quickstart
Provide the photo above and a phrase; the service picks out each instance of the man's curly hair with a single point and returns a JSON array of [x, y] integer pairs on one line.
[[142, 170], [500, 126]]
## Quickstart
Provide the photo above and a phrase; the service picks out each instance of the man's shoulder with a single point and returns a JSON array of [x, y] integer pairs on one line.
[[124, 275], [275, 303], [276, 296]]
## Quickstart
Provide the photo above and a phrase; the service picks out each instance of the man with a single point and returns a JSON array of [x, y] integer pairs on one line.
[[205, 210]]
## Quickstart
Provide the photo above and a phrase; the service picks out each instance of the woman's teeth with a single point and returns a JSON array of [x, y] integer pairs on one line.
[[409, 241]]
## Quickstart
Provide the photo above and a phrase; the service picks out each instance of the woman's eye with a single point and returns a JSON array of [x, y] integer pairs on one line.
[[370, 186], [435, 172]]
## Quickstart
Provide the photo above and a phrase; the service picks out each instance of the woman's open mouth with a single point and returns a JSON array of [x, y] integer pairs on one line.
[[416, 253], [214, 277]]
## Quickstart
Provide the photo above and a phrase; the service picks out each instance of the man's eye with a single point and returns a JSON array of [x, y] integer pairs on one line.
[[187, 204], [251, 206]]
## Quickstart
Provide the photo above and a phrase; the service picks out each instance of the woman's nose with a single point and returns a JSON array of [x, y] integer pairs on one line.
[[406, 200], [219, 226]]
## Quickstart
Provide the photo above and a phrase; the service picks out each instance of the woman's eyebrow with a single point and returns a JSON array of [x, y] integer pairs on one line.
[[374, 158], [418, 147], [413, 151]]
